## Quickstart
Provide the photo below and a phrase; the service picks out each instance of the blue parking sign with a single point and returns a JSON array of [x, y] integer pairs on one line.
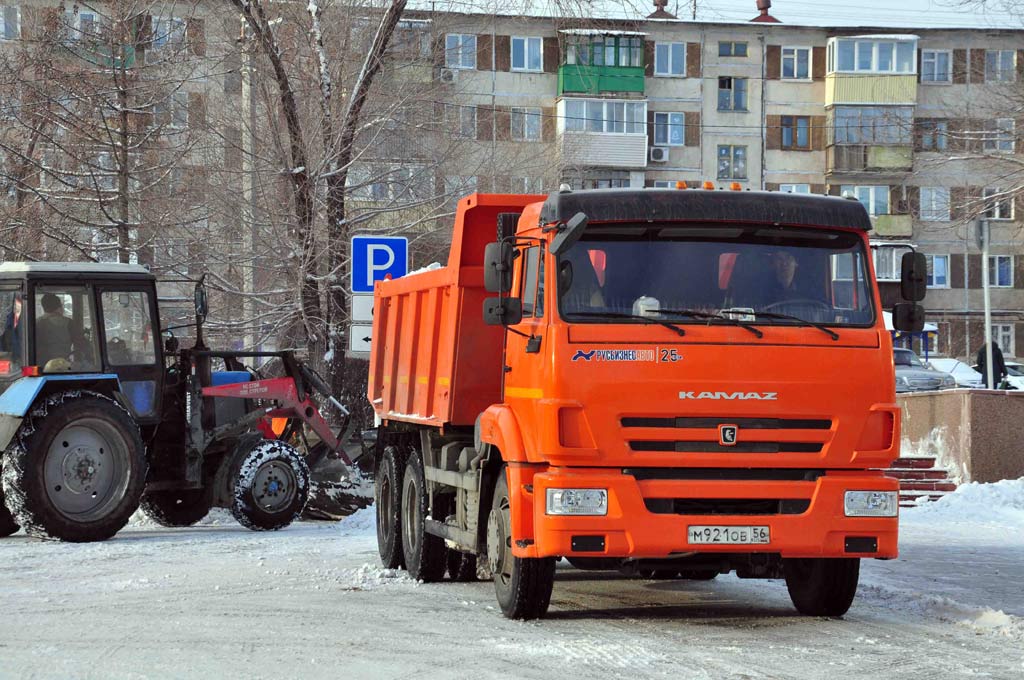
[[375, 257]]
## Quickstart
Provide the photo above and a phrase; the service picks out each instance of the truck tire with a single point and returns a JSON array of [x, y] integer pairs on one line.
[[822, 586], [523, 585], [7, 524], [177, 507], [271, 484], [461, 566], [76, 468], [425, 555], [387, 499]]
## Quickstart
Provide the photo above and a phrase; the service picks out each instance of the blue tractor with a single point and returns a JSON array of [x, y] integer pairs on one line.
[[98, 416]]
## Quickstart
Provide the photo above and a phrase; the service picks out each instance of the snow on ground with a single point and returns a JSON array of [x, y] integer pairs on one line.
[[312, 601]]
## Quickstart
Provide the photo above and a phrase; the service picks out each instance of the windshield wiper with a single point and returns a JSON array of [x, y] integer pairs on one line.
[[787, 317], [705, 315], [617, 315]]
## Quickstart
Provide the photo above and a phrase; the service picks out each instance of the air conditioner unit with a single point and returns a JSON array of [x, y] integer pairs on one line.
[[448, 75], [659, 154]]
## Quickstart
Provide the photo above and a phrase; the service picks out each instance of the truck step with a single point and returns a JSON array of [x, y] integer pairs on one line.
[[915, 462]]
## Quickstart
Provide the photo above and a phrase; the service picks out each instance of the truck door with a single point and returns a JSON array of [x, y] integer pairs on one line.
[[130, 341], [523, 354]]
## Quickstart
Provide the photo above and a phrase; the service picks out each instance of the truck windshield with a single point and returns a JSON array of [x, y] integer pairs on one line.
[[767, 275], [12, 344]]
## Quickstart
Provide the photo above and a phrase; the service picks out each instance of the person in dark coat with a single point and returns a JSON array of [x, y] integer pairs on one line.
[[10, 340], [998, 365]]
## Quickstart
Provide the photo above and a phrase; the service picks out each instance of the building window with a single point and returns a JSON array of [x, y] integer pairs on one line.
[[999, 135], [1003, 335], [460, 50], [732, 94], [796, 132], [796, 63], [888, 261], [610, 179], [998, 204], [527, 54], [526, 124], [527, 185], [669, 129], [934, 135], [938, 271], [663, 184], [935, 66], [599, 115], [934, 204], [670, 59], [732, 49], [1000, 271], [795, 188], [1000, 66], [606, 50], [10, 23], [172, 111], [874, 198], [873, 124], [732, 161], [460, 120], [875, 56]]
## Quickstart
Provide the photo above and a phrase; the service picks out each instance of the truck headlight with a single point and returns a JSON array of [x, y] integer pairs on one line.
[[871, 503], [577, 502]]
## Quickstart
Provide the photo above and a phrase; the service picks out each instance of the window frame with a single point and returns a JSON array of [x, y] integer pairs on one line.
[[667, 126], [996, 207], [732, 89], [527, 113], [732, 162], [930, 278], [638, 124], [993, 271], [793, 188], [1002, 74], [459, 51], [4, 37], [796, 49], [464, 122], [1001, 136], [933, 214], [794, 132], [669, 47], [934, 134], [835, 64], [949, 66], [731, 53], [1008, 348], [528, 41], [872, 197]]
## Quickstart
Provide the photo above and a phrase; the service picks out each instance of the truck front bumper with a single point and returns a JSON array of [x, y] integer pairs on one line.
[[818, 526]]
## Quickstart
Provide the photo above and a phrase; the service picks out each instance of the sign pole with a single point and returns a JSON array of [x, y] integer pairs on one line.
[[985, 236]]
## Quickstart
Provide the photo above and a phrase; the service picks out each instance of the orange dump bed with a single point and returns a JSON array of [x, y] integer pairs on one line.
[[433, 360]]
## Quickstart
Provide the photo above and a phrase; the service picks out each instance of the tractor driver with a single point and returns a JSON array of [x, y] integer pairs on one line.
[[55, 334]]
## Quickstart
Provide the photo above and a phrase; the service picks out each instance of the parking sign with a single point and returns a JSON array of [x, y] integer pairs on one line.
[[375, 257]]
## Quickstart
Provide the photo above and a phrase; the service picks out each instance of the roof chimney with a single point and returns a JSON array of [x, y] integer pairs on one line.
[[660, 12], [763, 6]]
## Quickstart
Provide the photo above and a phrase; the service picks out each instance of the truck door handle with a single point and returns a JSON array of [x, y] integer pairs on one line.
[[533, 344]]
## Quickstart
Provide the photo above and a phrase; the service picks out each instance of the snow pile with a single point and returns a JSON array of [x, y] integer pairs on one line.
[[372, 577], [979, 619], [999, 503], [433, 266], [360, 523], [935, 445], [217, 517]]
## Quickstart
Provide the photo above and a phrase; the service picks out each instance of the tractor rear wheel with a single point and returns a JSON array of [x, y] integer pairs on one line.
[[177, 507], [425, 555], [271, 484], [7, 524], [523, 584], [387, 497], [76, 469]]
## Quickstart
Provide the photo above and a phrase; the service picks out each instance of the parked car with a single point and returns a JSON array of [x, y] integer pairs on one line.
[[913, 375], [1015, 375], [964, 375]]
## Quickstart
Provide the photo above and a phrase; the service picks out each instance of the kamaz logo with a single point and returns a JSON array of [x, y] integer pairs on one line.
[[730, 396], [586, 356]]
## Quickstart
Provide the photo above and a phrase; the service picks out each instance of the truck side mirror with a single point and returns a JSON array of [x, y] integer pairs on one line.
[[913, 277], [503, 311], [568, 236], [908, 317], [498, 267]]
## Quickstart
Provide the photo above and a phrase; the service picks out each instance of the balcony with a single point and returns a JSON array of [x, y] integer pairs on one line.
[[869, 159], [880, 89], [893, 225], [603, 149], [585, 79]]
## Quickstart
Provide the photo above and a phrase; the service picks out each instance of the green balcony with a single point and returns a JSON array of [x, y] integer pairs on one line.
[[596, 80]]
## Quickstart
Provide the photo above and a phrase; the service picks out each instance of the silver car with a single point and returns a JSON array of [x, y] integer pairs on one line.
[[913, 375]]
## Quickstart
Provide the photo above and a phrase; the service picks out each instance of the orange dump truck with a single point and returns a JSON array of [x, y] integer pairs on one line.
[[672, 383]]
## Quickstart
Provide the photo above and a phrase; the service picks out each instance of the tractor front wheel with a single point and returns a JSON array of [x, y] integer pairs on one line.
[[177, 507], [271, 484], [76, 469]]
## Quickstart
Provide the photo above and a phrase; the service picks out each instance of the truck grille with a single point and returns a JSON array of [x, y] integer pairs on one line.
[[727, 506], [704, 445]]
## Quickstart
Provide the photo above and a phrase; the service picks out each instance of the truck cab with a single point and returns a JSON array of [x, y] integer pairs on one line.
[[687, 383]]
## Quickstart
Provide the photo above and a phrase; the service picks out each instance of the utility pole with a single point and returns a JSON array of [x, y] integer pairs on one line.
[[984, 236], [693, 5]]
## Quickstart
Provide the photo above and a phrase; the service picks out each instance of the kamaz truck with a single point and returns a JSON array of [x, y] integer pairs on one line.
[[675, 383]]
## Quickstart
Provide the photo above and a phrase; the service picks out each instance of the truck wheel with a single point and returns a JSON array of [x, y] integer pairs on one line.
[[461, 566], [822, 586], [387, 498], [425, 555], [76, 469], [7, 524], [177, 507], [523, 584], [271, 485]]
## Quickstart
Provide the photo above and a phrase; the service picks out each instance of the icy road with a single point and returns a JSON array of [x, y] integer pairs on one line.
[[221, 602]]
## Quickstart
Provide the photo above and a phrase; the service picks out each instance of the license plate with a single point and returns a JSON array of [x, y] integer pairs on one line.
[[727, 534]]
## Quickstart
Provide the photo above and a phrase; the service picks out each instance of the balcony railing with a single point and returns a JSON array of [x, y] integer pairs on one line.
[[869, 158], [589, 79], [603, 149]]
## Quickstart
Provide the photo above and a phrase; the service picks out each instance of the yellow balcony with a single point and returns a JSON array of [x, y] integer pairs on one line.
[[856, 88], [893, 225], [869, 158]]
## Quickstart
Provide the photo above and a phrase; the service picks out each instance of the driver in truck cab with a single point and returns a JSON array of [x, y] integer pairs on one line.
[[54, 331]]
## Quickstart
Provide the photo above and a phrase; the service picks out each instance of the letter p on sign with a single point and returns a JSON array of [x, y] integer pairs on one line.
[[375, 257]]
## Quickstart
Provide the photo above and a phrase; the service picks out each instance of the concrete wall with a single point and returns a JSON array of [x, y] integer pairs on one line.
[[978, 434]]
